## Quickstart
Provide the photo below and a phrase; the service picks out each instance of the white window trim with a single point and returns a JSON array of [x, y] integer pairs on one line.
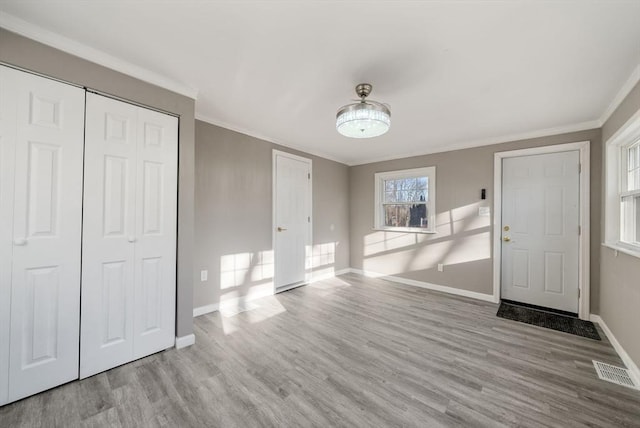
[[429, 171], [626, 135]]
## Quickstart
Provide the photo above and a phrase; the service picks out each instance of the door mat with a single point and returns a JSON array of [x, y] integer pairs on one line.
[[544, 319]]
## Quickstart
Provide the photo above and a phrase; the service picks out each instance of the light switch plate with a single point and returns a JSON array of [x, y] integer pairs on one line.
[[204, 274], [484, 211]]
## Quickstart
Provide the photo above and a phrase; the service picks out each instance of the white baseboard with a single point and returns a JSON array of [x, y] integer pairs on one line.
[[626, 359], [427, 285], [184, 341], [206, 309]]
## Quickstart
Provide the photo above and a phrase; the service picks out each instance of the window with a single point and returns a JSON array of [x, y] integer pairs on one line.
[[405, 200], [630, 194], [622, 210]]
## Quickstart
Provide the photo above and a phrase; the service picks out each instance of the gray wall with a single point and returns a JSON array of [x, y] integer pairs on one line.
[[233, 214], [464, 240], [620, 283], [28, 54]]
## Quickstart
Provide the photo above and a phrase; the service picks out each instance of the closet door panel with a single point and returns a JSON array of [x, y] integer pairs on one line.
[[156, 224], [108, 272], [47, 218], [129, 242], [7, 162]]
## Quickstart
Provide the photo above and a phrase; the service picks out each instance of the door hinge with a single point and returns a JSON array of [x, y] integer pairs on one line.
[[579, 230], [309, 175], [308, 219], [579, 168], [579, 293]]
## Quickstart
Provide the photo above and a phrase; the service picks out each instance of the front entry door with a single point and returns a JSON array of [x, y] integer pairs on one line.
[[292, 211], [540, 230]]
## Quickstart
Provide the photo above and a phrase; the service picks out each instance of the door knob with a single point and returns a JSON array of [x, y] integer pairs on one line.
[[506, 239], [281, 229], [132, 239], [20, 241]]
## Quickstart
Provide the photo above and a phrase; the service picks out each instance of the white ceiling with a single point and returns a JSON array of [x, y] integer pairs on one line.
[[456, 74]]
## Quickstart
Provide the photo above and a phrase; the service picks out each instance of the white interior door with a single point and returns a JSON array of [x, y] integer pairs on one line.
[[540, 230], [292, 215], [47, 218], [108, 247], [156, 230], [129, 256]]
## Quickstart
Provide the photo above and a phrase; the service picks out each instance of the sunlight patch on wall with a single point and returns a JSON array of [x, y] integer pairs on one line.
[[461, 219], [401, 260], [324, 254], [465, 249], [244, 268], [462, 249], [380, 241], [321, 262], [448, 224]]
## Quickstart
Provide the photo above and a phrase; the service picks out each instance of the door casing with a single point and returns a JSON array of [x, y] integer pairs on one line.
[[584, 306]]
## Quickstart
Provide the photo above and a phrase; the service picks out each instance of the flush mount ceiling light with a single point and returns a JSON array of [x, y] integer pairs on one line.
[[364, 119]]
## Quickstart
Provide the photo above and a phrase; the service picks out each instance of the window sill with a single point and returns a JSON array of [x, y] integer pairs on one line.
[[623, 249], [405, 230]]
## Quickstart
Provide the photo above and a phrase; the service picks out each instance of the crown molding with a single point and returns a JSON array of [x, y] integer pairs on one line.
[[65, 44], [626, 88], [582, 126], [253, 134]]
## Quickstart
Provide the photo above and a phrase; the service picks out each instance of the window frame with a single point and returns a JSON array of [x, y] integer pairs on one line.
[[624, 193], [616, 189], [379, 215]]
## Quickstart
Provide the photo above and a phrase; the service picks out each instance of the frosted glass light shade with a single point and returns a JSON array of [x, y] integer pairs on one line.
[[363, 120]]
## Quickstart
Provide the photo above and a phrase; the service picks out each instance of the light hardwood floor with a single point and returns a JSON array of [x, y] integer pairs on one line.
[[351, 351]]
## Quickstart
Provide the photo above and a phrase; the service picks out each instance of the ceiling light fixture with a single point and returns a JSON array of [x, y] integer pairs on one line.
[[364, 119]]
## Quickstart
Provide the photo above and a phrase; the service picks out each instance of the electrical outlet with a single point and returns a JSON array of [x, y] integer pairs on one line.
[[440, 267], [204, 274]]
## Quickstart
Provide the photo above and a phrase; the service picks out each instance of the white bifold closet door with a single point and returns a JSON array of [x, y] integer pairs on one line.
[[41, 141], [129, 234]]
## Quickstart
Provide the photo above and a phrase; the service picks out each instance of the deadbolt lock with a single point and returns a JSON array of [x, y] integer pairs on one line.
[[506, 228]]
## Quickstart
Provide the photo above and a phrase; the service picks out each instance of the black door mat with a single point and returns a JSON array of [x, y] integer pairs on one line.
[[548, 320]]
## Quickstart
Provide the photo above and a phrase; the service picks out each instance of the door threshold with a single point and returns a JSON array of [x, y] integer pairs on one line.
[[290, 287], [541, 308]]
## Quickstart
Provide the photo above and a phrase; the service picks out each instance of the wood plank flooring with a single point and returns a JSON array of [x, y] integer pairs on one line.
[[356, 352]]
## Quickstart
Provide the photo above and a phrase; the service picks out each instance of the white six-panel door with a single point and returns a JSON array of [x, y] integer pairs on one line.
[[108, 235], [129, 241], [156, 229], [292, 206], [540, 233], [41, 203]]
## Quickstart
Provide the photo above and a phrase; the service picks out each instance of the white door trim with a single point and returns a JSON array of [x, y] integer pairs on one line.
[[309, 243], [584, 307]]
